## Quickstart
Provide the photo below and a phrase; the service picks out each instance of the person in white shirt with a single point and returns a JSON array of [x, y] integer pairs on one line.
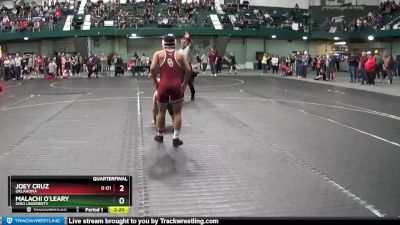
[[275, 64], [52, 68], [6, 65], [186, 51], [204, 62], [18, 60]]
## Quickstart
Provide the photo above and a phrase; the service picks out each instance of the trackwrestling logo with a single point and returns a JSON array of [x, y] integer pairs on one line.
[[33, 220]]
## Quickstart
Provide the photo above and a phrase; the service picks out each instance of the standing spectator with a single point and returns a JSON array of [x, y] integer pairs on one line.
[[67, 67], [298, 64], [36, 26], [58, 62], [397, 66], [7, 65], [98, 65], [38, 66], [331, 67], [74, 64], [352, 60], [52, 68], [103, 63], [12, 68], [198, 62], [119, 69], [51, 23], [370, 66], [85, 64], [304, 64], [379, 65], [233, 63], [275, 63], [389, 68], [212, 59], [109, 61], [24, 67], [89, 66], [337, 61], [219, 64], [18, 61], [80, 63], [204, 61], [363, 73], [264, 63], [318, 65]]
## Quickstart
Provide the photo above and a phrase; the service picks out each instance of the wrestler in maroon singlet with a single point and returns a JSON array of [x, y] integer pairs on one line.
[[170, 87]]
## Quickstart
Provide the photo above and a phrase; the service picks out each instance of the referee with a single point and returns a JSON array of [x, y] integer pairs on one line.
[[186, 51]]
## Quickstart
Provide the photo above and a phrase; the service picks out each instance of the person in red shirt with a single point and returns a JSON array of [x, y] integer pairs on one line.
[[212, 60], [38, 66], [170, 88], [1, 87], [370, 67]]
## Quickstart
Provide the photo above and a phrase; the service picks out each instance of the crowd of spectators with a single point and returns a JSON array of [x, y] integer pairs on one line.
[[372, 20], [67, 65], [263, 17], [32, 16], [31, 66], [139, 14], [389, 7]]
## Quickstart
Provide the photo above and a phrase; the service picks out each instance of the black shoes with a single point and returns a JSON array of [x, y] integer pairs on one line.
[[177, 142], [192, 98], [159, 138]]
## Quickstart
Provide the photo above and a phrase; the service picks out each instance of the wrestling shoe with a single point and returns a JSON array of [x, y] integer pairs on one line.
[[159, 138], [176, 142]]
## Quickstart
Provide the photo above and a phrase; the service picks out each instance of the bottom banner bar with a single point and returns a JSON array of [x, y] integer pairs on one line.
[[214, 221]]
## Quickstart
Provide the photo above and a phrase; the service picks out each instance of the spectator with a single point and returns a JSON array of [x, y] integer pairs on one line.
[[389, 65], [362, 71], [52, 68], [103, 63], [7, 67], [331, 70], [264, 63], [204, 61], [212, 59], [219, 61], [379, 65], [397, 66], [370, 68], [233, 63], [353, 64], [198, 62], [275, 63], [18, 61]]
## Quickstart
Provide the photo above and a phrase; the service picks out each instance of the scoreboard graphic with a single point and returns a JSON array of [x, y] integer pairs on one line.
[[85, 194]]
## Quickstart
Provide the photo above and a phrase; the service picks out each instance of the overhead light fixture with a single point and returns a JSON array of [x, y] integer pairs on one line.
[[133, 36], [305, 37], [273, 36], [340, 43], [370, 37], [336, 38], [26, 38], [170, 34]]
